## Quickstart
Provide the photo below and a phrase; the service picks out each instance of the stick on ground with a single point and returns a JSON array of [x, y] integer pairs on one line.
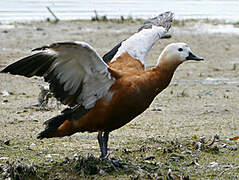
[[52, 13]]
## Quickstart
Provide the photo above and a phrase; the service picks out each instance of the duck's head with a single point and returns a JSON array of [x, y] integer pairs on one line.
[[176, 53]]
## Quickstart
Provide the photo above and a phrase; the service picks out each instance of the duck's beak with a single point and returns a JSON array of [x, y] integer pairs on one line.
[[192, 56]]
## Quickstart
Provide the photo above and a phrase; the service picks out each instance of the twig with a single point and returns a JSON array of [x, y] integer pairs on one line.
[[222, 173], [96, 18], [216, 137], [52, 13]]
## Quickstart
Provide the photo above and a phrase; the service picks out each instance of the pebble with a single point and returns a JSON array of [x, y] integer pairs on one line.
[[7, 142], [48, 156], [39, 29], [233, 148], [5, 93], [213, 164], [156, 109], [32, 146], [171, 159], [4, 158], [187, 152], [150, 157], [102, 172], [227, 166], [224, 145]]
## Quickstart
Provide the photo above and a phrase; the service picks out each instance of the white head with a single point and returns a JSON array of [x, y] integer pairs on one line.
[[176, 53]]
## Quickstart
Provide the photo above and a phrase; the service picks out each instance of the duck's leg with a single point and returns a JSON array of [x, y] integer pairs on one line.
[[103, 143], [105, 139]]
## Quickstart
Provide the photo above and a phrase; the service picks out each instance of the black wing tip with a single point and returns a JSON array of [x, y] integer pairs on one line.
[[3, 71], [164, 19], [8, 70]]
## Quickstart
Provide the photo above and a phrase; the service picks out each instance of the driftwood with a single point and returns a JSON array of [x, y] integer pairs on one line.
[[52, 13]]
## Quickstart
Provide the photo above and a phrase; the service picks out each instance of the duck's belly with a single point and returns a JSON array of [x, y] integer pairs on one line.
[[108, 116]]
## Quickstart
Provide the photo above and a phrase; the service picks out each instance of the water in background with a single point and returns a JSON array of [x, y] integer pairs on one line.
[[27, 10]]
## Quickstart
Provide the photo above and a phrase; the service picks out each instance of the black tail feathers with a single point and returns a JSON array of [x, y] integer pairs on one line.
[[52, 125]]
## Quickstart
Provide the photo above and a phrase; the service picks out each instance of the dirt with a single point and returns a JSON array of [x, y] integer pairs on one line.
[[201, 101]]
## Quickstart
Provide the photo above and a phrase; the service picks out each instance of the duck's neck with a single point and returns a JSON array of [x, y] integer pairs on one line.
[[140, 43], [159, 78]]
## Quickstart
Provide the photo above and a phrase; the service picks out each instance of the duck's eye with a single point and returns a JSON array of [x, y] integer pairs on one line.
[[180, 49]]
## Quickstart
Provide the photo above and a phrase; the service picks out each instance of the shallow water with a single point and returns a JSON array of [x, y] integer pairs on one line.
[[26, 10], [208, 81]]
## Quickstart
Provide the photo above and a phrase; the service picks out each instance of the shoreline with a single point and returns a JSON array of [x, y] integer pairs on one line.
[[125, 20], [203, 25]]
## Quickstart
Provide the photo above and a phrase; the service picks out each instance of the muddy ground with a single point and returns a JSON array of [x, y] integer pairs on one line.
[[170, 140]]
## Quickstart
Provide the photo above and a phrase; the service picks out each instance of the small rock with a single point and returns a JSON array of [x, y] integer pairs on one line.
[[102, 172], [213, 164], [233, 148], [57, 155], [39, 29], [171, 159], [7, 142], [4, 158], [187, 152], [48, 156], [32, 146], [224, 145], [150, 157], [5, 31], [5, 93], [227, 166], [5, 101], [156, 109], [126, 151]]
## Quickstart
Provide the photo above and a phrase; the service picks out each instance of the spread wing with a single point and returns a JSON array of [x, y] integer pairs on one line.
[[76, 73], [164, 19]]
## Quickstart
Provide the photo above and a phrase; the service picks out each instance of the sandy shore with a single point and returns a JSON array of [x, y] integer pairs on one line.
[[202, 99]]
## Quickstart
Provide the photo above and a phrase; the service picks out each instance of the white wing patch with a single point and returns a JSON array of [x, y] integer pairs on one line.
[[140, 43]]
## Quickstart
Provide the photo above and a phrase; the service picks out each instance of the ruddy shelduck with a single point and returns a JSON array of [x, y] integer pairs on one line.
[[102, 96]]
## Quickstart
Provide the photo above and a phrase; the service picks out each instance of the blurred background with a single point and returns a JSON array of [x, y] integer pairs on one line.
[[28, 10]]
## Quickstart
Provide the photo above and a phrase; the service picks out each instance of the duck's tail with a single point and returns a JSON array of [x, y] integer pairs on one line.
[[63, 124]]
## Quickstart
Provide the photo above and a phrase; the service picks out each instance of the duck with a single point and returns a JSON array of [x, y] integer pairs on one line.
[[102, 96]]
